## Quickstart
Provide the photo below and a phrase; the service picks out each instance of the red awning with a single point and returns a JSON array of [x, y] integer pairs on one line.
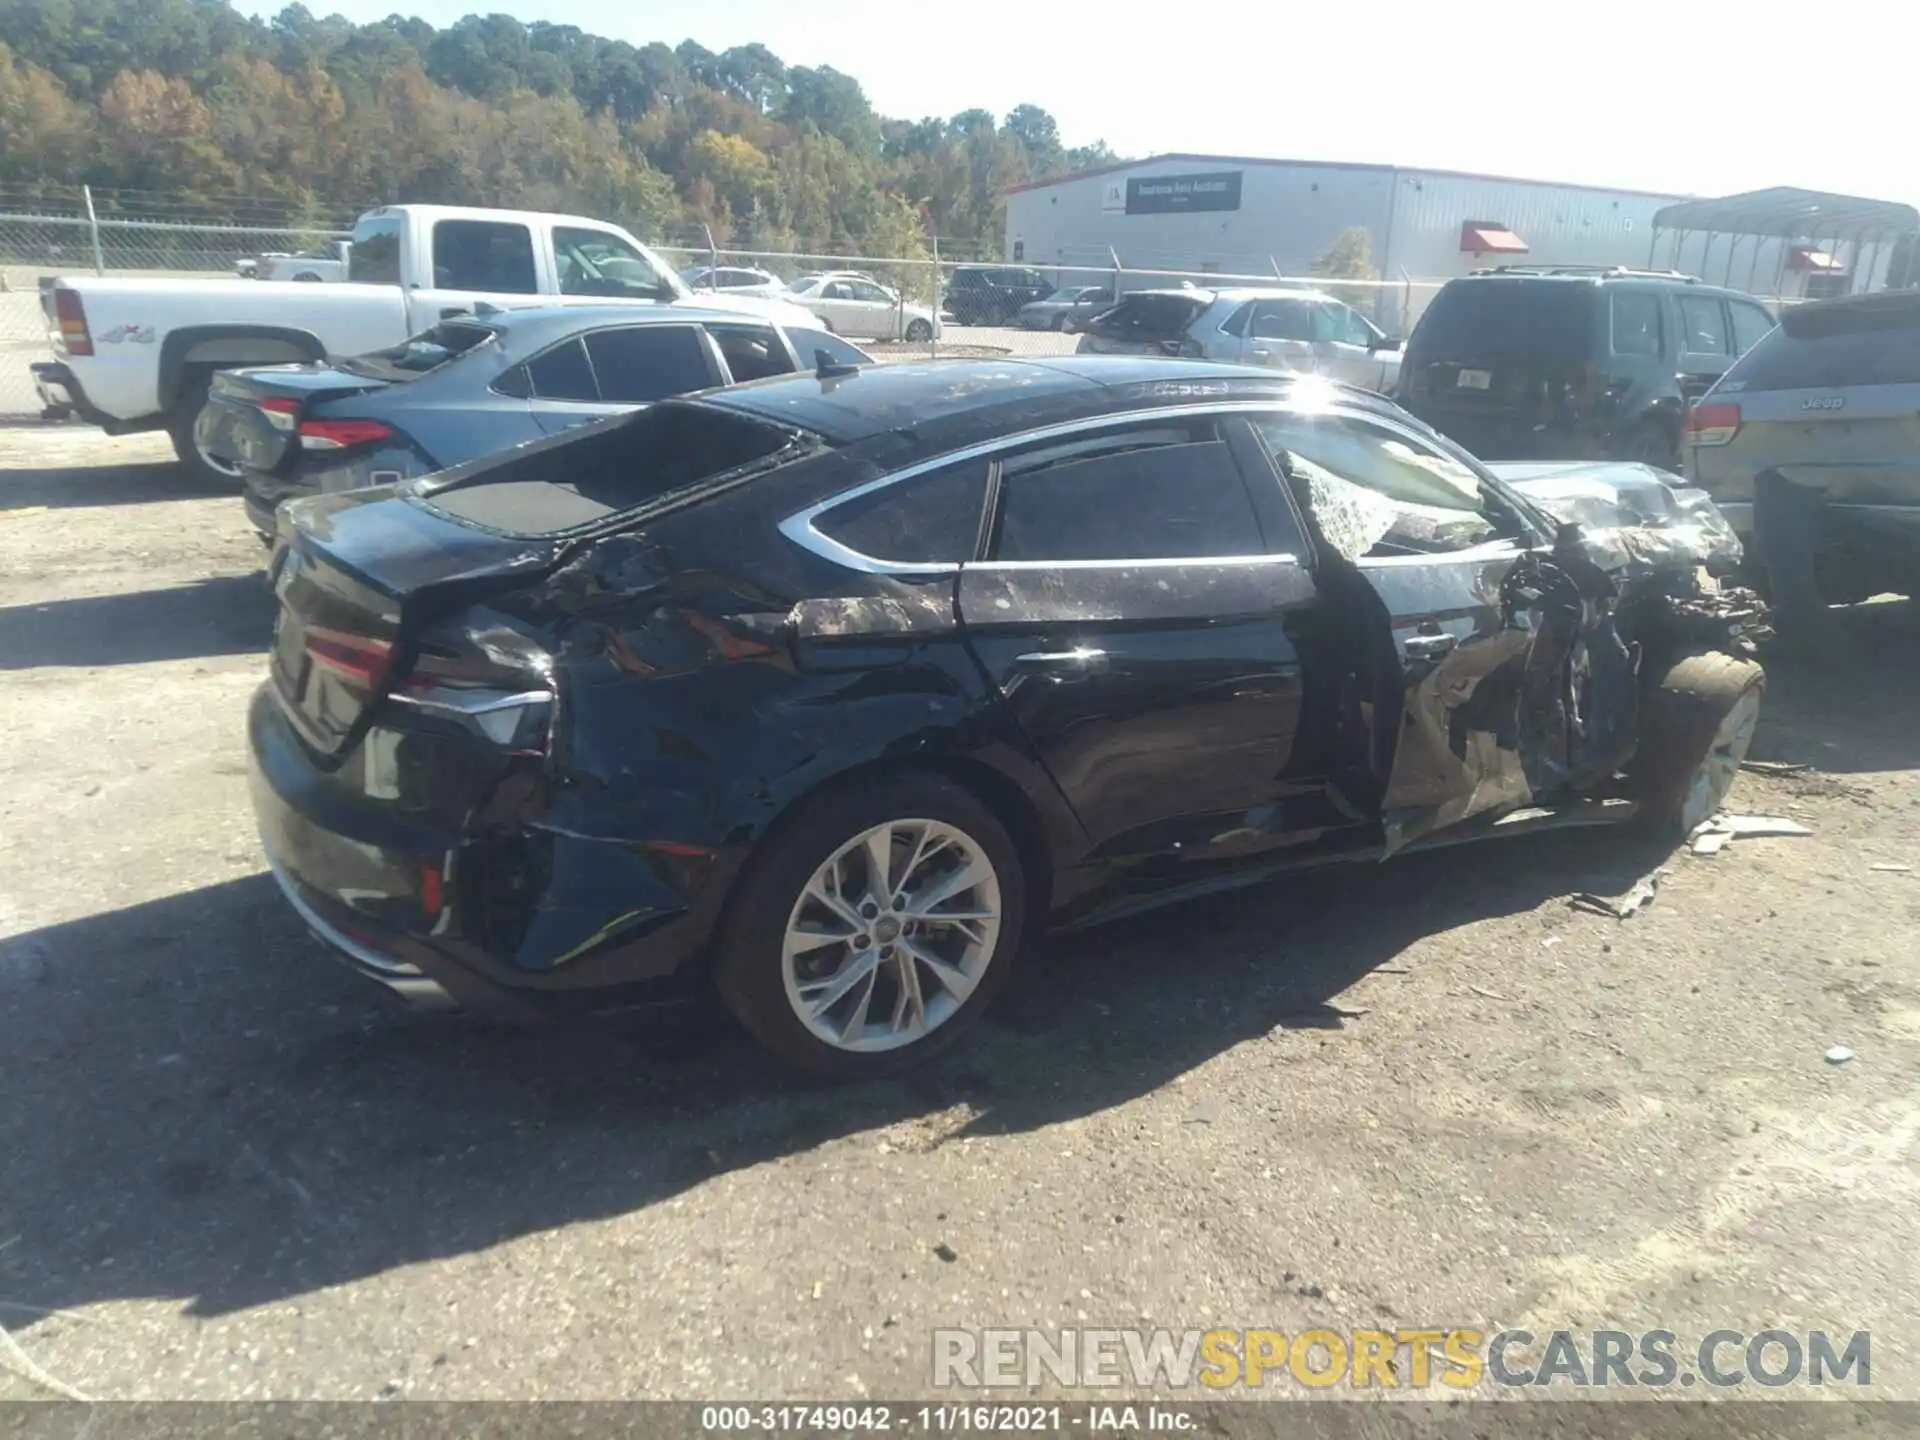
[[1482, 239], [1805, 257]]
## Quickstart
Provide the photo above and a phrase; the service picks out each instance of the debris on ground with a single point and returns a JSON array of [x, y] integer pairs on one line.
[[1636, 898], [1710, 837], [1839, 1055], [1776, 767], [1892, 869], [946, 1252]]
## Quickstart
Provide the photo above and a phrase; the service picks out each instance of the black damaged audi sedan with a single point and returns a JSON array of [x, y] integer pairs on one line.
[[829, 690]]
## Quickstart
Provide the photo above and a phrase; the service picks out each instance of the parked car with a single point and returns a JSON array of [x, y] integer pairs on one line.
[[829, 688], [1528, 363], [472, 386], [1066, 310], [140, 354], [1302, 331], [865, 309], [735, 280], [993, 294], [1830, 403], [325, 264]]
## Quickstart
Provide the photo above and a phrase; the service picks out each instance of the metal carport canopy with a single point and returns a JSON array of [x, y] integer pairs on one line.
[[1788, 214]]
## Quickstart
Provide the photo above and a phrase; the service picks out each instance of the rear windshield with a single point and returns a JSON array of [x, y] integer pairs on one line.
[[1149, 317], [1506, 320], [1831, 349], [375, 256], [599, 470], [421, 354]]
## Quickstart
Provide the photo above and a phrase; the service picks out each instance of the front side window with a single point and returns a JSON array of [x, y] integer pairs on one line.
[[871, 293], [838, 290], [1703, 323], [598, 262], [1341, 324], [1636, 323], [928, 519], [641, 363], [1377, 491], [491, 256], [1164, 494]]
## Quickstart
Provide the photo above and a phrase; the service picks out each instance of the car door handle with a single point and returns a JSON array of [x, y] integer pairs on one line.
[[1430, 647], [1261, 353], [1082, 660]]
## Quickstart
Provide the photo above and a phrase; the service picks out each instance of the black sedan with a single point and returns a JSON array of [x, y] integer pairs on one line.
[[833, 688], [477, 384]]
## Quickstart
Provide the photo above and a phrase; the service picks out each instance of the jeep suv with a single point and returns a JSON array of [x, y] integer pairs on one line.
[[1573, 363], [993, 294]]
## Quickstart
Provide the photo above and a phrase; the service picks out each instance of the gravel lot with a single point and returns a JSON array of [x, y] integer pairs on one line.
[[1427, 1094]]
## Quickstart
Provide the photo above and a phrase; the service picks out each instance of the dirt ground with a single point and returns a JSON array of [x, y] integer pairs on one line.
[[1427, 1094]]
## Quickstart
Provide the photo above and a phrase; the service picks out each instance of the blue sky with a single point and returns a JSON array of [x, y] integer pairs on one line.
[[1682, 96]]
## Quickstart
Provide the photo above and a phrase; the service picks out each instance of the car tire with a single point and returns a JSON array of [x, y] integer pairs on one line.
[[767, 983], [919, 332], [1695, 729], [182, 421]]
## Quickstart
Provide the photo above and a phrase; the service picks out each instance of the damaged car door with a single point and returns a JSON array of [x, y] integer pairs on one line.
[[1514, 688], [1146, 635]]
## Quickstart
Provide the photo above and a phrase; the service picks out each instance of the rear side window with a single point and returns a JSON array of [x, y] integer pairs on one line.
[[929, 519], [640, 363], [1149, 317], [487, 255], [808, 344], [563, 374], [752, 352], [1156, 502], [594, 471], [1831, 351], [1504, 321], [1703, 326], [1636, 323]]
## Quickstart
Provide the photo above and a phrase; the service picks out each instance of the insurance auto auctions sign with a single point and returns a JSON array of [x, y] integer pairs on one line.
[[1166, 194]]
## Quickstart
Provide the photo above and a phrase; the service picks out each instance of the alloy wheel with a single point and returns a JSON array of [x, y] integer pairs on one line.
[[891, 935]]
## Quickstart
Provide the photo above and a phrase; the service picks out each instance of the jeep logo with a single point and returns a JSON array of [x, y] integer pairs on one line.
[[1824, 402]]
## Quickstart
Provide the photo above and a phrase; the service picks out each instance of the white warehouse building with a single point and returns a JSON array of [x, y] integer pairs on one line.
[[1196, 215]]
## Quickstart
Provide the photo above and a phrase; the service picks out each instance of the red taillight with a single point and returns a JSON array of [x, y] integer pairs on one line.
[[281, 413], [432, 888], [1713, 424], [358, 657], [341, 434], [72, 318]]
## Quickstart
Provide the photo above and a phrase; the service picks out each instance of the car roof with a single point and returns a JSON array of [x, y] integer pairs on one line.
[[938, 405], [538, 323], [1601, 275]]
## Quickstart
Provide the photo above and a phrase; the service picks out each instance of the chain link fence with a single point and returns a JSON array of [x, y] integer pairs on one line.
[[900, 308]]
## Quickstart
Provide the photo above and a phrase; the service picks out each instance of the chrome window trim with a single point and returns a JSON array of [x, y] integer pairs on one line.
[[799, 527]]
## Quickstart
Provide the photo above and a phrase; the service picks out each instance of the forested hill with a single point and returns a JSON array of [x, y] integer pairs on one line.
[[190, 99]]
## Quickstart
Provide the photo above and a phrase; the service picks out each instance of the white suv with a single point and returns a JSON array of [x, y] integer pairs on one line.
[[1302, 331]]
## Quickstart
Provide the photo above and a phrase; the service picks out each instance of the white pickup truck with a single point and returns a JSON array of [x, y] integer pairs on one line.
[[139, 354]]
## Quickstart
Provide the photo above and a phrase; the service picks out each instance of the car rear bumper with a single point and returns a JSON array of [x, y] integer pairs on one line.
[[566, 924]]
